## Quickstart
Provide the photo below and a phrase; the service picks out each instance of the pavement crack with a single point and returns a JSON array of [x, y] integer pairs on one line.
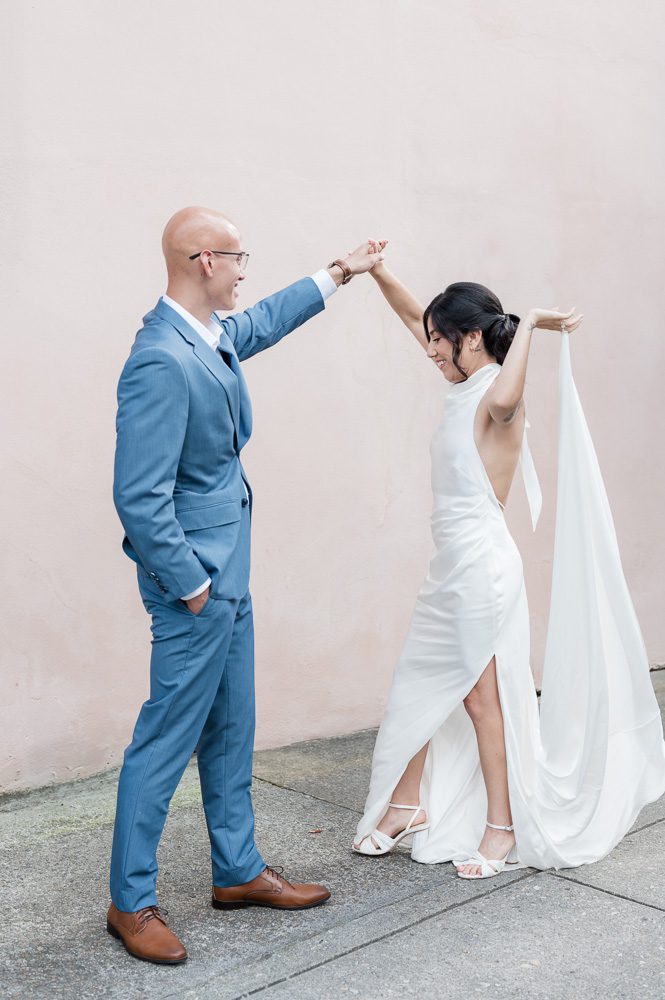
[[309, 795], [608, 892], [379, 937], [654, 822]]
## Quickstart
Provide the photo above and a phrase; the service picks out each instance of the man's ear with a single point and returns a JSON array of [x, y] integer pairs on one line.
[[205, 264]]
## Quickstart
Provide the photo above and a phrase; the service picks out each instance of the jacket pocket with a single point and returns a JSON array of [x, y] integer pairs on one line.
[[194, 518]]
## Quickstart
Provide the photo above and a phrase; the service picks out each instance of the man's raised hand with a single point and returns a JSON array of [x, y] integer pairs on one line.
[[366, 256]]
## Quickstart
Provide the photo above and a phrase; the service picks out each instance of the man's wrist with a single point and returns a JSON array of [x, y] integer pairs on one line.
[[196, 593], [341, 271], [335, 273]]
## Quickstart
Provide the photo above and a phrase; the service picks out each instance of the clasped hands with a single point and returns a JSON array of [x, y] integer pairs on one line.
[[363, 258]]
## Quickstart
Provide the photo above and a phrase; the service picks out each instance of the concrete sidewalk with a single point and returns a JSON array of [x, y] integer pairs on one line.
[[392, 928]]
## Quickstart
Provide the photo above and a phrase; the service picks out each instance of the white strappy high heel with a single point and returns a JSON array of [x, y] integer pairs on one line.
[[377, 843], [490, 868]]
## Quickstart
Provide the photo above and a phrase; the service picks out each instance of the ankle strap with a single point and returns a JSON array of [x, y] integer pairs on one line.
[[495, 826], [414, 809]]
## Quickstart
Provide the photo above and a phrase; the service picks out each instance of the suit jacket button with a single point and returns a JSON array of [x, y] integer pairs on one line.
[[244, 501]]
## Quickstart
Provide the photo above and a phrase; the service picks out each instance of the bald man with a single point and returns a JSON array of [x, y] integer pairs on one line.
[[180, 490]]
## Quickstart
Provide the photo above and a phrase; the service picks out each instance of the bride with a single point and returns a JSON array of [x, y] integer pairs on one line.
[[464, 762]]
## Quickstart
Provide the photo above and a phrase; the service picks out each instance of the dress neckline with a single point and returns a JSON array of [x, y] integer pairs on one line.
[[479, 377]]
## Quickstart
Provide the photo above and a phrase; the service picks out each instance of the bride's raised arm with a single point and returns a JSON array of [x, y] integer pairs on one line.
[[399, 298], [505, 396]]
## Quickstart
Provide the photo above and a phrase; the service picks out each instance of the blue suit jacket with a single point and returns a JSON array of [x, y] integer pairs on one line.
[[183, 416]]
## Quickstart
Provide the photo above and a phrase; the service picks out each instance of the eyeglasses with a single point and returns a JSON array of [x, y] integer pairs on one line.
[[241, 258]]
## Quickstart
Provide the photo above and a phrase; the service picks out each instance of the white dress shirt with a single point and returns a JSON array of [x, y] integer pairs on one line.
[[209, 332]]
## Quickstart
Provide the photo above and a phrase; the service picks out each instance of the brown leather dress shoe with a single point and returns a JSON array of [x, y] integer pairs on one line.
[[145, 935], [270, 888]]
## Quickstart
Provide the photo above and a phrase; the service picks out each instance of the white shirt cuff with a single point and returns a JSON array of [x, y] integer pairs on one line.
[[324, 283], [199, 590]]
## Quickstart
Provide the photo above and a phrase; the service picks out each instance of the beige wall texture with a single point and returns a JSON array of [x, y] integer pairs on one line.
[[517, 144]]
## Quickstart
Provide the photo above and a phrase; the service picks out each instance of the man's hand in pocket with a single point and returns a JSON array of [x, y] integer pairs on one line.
[[197, 604]]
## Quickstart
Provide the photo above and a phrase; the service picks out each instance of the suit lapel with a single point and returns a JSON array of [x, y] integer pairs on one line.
[[226, 347], [245, 403], [212, 359], [216, 365]]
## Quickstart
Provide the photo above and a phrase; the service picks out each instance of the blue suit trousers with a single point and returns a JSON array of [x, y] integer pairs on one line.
[[201, 697]]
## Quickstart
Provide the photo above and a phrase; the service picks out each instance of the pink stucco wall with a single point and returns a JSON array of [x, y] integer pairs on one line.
[[520, 145]]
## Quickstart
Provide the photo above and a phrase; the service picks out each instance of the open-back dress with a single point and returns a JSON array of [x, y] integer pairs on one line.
[[582, 767]]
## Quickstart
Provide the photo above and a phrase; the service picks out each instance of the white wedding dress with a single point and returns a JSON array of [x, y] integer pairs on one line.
[[579, 770]]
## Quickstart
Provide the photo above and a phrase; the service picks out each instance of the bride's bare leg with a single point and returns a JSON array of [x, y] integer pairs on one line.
[[406, 793], [484, 708]]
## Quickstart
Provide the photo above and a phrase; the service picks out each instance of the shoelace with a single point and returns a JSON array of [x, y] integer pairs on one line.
[[277, 872], [151, 913]]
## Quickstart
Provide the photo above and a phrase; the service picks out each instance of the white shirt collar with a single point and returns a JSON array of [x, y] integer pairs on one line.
[[210, 332]]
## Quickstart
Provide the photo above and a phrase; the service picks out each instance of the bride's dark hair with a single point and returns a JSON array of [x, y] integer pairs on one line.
[[466, 306]]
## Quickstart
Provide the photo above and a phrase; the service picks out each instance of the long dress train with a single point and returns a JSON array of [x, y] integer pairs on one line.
[[580, 770]]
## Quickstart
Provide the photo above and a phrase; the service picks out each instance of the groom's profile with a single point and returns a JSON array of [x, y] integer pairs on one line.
[[185, 503]]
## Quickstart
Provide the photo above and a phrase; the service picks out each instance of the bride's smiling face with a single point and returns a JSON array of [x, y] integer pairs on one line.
[[440, 351], [471, 354]]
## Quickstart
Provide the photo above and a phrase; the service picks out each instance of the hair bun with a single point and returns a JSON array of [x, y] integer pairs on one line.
[[498, 335], [497, 325]]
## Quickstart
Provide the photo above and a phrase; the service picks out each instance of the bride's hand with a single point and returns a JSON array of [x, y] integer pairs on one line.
[[552, 319], [366, 256], [377, 246]]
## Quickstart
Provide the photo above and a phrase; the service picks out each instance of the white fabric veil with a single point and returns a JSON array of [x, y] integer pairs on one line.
[[603, 756]]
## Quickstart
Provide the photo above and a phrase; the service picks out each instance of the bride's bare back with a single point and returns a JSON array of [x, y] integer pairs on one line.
[[499, 448]]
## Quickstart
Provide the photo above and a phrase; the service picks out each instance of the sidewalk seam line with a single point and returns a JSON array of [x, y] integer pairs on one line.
[[299, 791], [385, 937], [654, 822], [381, 937], [607, 892]]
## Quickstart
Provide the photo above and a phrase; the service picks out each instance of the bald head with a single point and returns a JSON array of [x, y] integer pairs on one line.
[[191, 230], [210, 282]]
